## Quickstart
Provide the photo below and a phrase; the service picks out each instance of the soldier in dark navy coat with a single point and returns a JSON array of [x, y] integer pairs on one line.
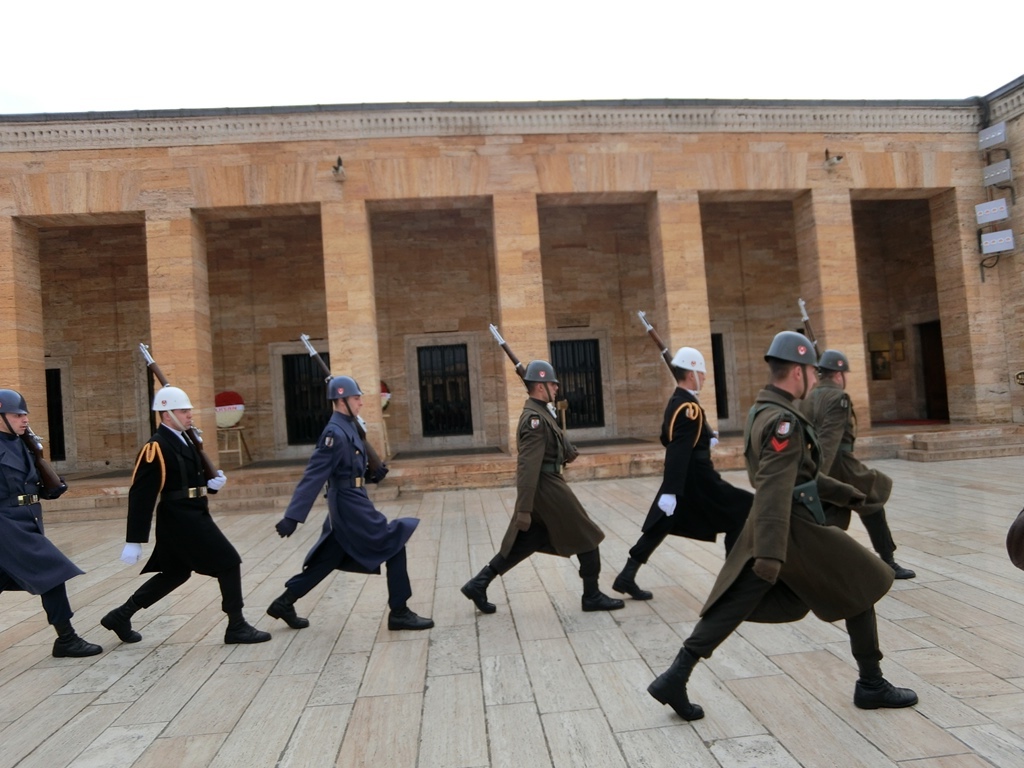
[[169, 476], [356, 537], [28, 560], [693, 500]]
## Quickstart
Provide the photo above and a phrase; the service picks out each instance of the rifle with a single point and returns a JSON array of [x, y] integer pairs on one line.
[[373, 461], [520, 368], [52, 484], [193, 434], [808, 332], [657, 340]]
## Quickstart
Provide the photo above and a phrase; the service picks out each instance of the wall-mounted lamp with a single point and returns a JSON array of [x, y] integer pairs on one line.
[[831, 161], [338, 170]]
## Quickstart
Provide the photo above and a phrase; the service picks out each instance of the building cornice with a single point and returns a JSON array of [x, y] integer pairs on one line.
[[91, 131]]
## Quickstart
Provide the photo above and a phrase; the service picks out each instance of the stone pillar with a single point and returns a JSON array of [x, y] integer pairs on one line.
[[680, 281], [977, 375], [21, 319], [352, 305], [179, 313], [521, 308], [827, 255]]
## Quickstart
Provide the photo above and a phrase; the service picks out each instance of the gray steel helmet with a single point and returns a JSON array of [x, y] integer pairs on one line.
[[340, 387], [11, 401], [792, 347], [540, 370], [833, 360]]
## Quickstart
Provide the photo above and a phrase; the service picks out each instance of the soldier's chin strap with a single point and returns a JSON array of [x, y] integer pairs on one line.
[[177, 422], [9, 427]]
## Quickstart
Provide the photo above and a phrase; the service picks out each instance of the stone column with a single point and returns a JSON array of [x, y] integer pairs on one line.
[[827, 255], [352, 305], [977, 375], [521, 308], [682, 315], [21, 319], [179, 313]]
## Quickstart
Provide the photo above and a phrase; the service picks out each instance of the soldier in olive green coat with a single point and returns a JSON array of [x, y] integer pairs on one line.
[[830, 410], [787, 561], [548, 517]]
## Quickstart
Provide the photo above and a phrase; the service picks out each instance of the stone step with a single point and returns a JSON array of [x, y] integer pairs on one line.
[[968, 438], [964, 452]]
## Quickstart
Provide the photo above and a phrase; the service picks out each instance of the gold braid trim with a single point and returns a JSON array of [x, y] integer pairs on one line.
[[149, 452], [693, 413]]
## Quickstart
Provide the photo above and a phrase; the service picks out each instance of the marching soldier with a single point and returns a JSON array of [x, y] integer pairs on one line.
[[548, 517], [28, 560], [356, 537], [693, 500], [169, 476], [787, 561], [830, 411]]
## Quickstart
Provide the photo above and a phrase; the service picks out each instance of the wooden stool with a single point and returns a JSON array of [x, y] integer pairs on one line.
[[233, 441]]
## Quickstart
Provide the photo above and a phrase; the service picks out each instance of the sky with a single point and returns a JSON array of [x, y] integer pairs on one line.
[[114, 55]]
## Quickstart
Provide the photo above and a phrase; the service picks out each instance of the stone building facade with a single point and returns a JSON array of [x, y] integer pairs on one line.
[[219, 237]]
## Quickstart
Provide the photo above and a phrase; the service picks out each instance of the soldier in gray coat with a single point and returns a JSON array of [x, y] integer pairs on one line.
[[548, 517], [787, 561], [28, 560], [830, 410]]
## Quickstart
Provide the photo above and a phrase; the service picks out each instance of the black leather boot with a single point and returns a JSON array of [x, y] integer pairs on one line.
[[476, 589], [284, 608], [881, 539], [404, 618], [119, 621], [875, 692], [242, 632], [596, 600], [68, 643], [670, 686], [625, 582]]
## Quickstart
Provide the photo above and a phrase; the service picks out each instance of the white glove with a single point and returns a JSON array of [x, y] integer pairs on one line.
[[131, 553], [216, 483], [667, 503], [714, 441]]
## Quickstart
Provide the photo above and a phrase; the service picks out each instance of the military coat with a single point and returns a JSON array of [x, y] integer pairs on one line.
[[824, 570], [830, 410], [29, 559], [363, 532], [187, 538], [541, 489], [706, 505]]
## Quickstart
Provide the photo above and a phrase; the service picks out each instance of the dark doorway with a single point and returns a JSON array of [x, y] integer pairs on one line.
[[718, 369], [933, 367], [578, 366], [445, 405], [55, 415], [306, 407]]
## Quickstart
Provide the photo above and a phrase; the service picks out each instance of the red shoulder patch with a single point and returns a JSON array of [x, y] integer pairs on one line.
[[778, 445]]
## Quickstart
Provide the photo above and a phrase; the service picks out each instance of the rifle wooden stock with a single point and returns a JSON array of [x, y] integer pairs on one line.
[[51, 482], [520, 368], [373, 459], [662, 347], [808, 331], [194, 435]]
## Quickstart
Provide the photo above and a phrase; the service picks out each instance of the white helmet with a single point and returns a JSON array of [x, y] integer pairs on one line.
[[689, 359], [171, 399]]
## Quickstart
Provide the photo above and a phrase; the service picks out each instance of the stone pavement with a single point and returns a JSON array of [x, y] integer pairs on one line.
[[539, 683]]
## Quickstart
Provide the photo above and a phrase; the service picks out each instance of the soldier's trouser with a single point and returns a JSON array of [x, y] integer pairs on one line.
[[329, 556], [651, 539], [55, 601], [526, 543], [57, 606], [165, 582], [722, 619]]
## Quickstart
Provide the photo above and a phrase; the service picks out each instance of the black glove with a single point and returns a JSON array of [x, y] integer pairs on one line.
[[53, 493], [381, 473], [286, 527]]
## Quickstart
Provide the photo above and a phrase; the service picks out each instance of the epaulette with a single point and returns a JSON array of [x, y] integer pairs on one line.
[[151, 451]]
